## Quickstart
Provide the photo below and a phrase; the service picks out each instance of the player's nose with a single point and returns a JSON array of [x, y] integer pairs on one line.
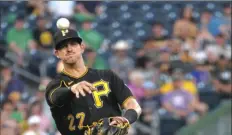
[[69, 47]]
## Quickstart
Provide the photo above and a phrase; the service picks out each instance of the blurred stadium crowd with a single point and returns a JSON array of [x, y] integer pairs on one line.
[[175, 57]]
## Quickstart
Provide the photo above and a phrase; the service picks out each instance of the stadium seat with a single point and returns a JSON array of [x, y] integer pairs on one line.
[[104, 23], [196, 15], [157, 4], [171, 17], [134, 5], [13, 8], [145, 7], [136, 12], [123, 7], [21, 4], [115, 25], [125, 16], [210, 6], [218, 14], [114, 4], [138, 24], [149, 17], [111, 14]]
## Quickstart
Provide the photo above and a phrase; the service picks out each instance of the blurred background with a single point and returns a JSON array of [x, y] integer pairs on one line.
[[175, 57]]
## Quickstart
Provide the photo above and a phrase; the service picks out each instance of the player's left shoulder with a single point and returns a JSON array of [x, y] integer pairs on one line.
[[102, 72]]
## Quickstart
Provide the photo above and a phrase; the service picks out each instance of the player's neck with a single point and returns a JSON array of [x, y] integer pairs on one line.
[[76, 69]]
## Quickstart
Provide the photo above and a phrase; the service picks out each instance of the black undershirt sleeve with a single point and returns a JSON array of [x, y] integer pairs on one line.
[[58, 94]]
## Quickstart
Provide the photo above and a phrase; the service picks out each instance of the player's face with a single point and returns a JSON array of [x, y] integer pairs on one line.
[[70, 52]]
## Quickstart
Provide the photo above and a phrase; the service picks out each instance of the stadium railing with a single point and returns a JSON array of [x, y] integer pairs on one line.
[[217, 122]]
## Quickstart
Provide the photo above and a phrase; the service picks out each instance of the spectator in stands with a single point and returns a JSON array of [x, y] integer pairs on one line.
[[9, 127], [39, 95], [164, 67], [150, 90], [43, 50], [91, 38], [222, 78], [220, 40], [225, 28], [204, 37], [159, 34], [185, 28], [176, 55], [146, 65], [189, 87], [149, 49], [10, 82], [6, 110], [92, 7], [120, 62], [18, 37], [42, 34], [36, 8], [201, 74], [178, 102], [34, 123], [82, 14], [67, 5], [45, 123], [212, 54], [205, 20], [22, 107], [15, 98], [175, 46], [93, 60], [81, 8], [9, 112], [136, 80], [185, 54], [222, 24]]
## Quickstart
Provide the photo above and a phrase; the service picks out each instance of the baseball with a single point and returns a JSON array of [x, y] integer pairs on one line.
[[62, 23]]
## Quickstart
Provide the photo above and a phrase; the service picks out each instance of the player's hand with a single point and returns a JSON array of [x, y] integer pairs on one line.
[[118, 121], [82, 88]]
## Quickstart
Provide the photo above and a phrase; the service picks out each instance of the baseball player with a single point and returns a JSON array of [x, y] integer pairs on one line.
[[80, 96]]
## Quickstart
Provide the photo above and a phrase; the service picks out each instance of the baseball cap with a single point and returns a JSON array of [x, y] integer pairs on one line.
[[64, 35], [121, 45], [177, 77], [30, 133]]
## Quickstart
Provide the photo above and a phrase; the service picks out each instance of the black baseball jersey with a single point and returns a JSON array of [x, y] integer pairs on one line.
[[72, 114]]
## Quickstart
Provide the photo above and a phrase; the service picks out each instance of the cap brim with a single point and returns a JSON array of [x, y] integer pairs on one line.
[[59, 44]]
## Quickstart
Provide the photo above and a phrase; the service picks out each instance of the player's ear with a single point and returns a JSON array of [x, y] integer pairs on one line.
[[56, 53], [82, 47]]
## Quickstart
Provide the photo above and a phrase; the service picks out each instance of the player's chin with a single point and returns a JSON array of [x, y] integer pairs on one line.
[[70, 61]]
